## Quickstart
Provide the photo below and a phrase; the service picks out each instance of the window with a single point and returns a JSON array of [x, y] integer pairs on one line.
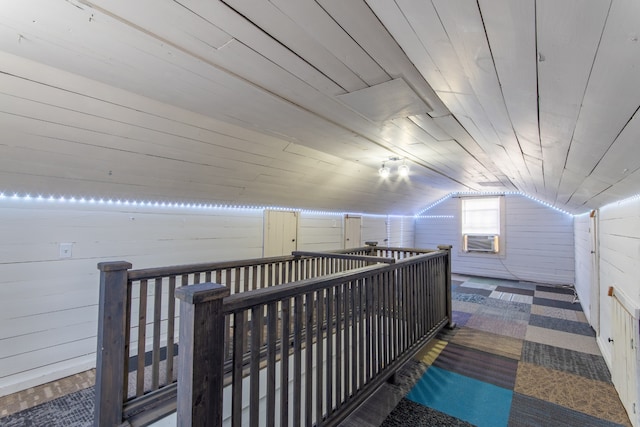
[[481, 224], [481, 216]]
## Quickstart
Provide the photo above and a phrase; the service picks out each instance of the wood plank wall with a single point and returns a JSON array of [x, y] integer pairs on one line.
[[390, 231], [582, 239], [619, 234], [48, 305], [538, 246]]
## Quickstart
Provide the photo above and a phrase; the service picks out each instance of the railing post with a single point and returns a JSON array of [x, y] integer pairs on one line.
[[110, 357], [201, 356], [447, 248]]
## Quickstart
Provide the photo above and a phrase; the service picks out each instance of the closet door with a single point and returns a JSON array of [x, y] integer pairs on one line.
[[352, 231], [280, 233]]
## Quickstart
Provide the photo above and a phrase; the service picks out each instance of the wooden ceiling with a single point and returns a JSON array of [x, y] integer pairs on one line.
[[298, 102]]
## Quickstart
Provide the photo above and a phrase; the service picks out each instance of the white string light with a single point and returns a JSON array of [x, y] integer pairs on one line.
[[72, 200], [182, 205], [492, 193]]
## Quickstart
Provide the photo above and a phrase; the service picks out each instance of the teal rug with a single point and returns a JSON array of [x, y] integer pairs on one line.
[[479, 403]]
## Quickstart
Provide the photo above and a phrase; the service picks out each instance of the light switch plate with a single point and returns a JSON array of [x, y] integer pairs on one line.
[[66, 250]]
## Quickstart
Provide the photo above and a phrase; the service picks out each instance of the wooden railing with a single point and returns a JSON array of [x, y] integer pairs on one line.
[[329, 303]]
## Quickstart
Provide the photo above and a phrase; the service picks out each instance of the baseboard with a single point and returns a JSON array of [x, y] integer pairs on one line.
[[605, 349], [46, 374]]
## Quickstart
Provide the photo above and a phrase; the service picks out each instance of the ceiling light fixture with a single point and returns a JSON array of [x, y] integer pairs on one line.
[[403, 169], [384, 171]]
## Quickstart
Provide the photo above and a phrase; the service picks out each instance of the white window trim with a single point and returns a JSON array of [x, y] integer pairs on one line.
[[502, 240]]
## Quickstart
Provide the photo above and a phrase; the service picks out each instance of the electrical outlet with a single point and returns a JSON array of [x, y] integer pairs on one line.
[[66, 250]]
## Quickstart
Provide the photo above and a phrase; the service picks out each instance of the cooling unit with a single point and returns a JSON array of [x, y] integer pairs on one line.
[[480, 243]]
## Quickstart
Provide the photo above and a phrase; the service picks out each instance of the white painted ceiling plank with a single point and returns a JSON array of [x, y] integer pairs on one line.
[[232, 44], [401, 30], [627, 187], [429, 125], [51, 86], [427, 25], [320, 26], [424, 20], [612, 97], [184, 98], [271, 20], [186, 28], [152, 21], [589, 187], [481, 129], [568, 36], [467, 34], [623, 158], [512, 36], [462, 137], [365, 28], [236, 104], [386, 101]]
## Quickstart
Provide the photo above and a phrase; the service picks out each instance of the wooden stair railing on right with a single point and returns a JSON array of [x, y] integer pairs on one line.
[[345, 334]]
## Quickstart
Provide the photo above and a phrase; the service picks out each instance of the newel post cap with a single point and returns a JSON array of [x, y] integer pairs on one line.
[[114, 266], [202, 292]]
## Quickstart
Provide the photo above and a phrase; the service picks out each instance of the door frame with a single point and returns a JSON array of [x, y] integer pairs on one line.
[[594, 242], [347, 228]]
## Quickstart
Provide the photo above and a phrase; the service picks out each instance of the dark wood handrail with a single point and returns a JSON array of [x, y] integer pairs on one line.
[[176, 270], [248, 299], [366, 258], [304, 280]]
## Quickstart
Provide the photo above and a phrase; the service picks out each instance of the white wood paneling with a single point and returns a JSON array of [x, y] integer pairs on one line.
[[319, 232], [538, 242], [582, 240], [48, 305], [374, 229], [619, 236], [401, 232]]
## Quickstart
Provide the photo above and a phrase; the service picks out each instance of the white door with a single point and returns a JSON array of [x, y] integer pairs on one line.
[[280, 233], [352, 231], [623, 365], [594, 311]]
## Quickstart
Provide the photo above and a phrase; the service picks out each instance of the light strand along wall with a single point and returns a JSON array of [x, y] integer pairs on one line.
[[538, 241], [48, 304]]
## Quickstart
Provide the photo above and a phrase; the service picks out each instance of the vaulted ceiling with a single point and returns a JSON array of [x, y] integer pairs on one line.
[[299, 102]]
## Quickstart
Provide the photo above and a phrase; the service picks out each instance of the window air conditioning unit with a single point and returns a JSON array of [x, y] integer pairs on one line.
[[480, 243]]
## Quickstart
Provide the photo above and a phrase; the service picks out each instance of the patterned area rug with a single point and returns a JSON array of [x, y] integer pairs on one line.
[[72, 410], [521, 355]]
